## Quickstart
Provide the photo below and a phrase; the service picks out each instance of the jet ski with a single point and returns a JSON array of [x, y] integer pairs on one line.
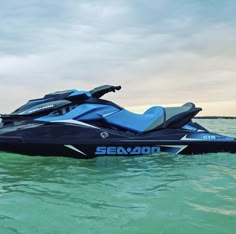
[[81, 124]]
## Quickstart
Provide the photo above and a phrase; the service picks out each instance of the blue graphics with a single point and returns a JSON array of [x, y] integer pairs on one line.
[[206, 137], [78, 93], [120, 150], [152, 118], [189, 127], [84, 112]]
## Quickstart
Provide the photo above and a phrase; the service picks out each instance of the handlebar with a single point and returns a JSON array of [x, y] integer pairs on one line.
[[101, 90]]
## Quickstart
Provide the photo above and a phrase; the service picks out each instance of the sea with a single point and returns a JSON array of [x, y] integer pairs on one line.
[[163, 194]]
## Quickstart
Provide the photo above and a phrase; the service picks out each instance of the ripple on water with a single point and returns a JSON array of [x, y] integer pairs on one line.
[[160, 194]]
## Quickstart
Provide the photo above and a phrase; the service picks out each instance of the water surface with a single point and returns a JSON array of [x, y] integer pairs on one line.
[[149, 194]]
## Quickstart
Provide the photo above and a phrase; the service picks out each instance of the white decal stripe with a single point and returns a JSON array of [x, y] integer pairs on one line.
[[75, 149], [185, 138], [108, 114], [200, 130], [72, 121], [180, 147]]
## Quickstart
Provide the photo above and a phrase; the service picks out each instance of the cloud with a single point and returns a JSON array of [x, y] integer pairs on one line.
[[159, 51]]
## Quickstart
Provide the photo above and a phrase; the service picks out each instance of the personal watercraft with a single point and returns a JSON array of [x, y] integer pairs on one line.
[[80, 124]]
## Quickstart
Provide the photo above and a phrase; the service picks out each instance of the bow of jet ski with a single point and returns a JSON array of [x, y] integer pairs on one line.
[[80, 124]]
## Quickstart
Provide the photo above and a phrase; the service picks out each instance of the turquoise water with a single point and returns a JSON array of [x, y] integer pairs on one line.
[[161, 194]]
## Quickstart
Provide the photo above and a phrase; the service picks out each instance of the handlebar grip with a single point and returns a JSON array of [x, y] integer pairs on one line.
[[117, 88], [101, 90]]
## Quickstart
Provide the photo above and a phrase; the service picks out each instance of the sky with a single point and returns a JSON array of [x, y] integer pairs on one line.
[[162, 52]]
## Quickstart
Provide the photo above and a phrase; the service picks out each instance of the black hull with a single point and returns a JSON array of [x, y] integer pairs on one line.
[[86, 141], [86, 151]]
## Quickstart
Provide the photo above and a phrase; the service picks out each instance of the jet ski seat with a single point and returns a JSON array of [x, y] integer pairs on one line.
[[154, 118], [150, 119], [177, 117]]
